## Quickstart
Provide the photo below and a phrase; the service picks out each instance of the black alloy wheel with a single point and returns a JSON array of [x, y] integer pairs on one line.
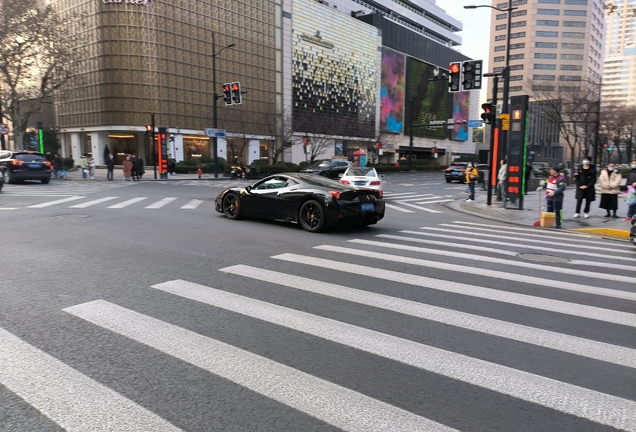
[[312, 216], [232, 206]]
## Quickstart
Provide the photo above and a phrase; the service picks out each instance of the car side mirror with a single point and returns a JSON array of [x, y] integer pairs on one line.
[[248, 189]]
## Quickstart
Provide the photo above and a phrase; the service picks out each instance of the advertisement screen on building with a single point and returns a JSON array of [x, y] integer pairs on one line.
[[431, 100], [392, 91], [461, 115]]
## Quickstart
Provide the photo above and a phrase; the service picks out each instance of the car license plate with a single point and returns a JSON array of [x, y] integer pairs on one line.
[[360, 183], [454, 173], [367, 207], [35, 165]]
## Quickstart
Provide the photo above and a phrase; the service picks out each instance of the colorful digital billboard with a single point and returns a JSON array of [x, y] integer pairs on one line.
[[461, 115], [392, 91], [431, 100]]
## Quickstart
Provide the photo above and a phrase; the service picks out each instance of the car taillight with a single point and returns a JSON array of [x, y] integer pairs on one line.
[[16, 162], [375, 183], [335, 194], [381, 193], [345, 182]]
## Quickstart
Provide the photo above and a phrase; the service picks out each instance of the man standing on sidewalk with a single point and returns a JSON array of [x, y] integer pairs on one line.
[[554, 189], [110, 167]]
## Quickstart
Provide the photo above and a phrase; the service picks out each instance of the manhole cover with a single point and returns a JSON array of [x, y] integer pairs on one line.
[[543, 258], [71, 216]]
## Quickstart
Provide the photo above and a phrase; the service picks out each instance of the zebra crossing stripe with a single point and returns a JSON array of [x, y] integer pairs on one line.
[[473, 257], [127, 202], [192, 204], [581, 402], [544, 235], [504, 252], [491, 242], [93, 202], [69, 398], [415, 197], [336, 405], [534, 230], [417, 207], [160, 203], [495, 274], [61, 201], [398, 208], [434, 201], [518, 332], [558, 306]]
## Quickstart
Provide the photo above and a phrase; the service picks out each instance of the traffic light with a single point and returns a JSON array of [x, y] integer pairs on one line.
[[488, 116], [471, 75], [148, 129], [227, 93], [454, 75], [236, 93]]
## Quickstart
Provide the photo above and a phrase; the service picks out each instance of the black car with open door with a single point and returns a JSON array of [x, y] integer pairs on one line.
[[314, 202]]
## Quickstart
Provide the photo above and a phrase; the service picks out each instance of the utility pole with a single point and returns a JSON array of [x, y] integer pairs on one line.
[[215, 96]]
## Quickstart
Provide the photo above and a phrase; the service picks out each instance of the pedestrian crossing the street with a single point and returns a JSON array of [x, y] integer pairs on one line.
[[461, 336]]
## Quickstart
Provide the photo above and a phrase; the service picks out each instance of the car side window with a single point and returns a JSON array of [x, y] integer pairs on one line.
[[273, 183]]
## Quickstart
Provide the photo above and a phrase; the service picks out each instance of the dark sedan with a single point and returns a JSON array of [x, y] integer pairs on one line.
[[328, 168], [25, 165], [314, 202]]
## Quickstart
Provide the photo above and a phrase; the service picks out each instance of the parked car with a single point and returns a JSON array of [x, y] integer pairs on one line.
[[314, 202], [456, 171], [331, 168], [25, 165], [360, 177]]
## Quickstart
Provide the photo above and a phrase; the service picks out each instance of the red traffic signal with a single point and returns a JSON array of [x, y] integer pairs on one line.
[[488, 116], [237, 99], [454, 67], [227, 93], [454, 77]]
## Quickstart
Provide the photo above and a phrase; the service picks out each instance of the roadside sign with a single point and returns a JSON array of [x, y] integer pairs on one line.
[[505, 121], [475, 123], [219, 133], [4, 129]]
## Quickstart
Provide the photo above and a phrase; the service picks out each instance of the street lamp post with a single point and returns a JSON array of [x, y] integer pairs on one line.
[[215, 96], [503, 138]]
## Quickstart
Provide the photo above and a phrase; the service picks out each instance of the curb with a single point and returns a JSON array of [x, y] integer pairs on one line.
[[605, 232]]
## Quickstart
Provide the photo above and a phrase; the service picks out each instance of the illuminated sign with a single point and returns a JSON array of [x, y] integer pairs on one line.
[[516, 115], [139, 2]]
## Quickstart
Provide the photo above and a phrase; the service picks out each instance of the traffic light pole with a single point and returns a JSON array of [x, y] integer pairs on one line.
[[215, 124], [154, 146], [494, 158]]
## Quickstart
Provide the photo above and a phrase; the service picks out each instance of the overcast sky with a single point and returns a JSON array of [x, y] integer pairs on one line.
[[476, 33]]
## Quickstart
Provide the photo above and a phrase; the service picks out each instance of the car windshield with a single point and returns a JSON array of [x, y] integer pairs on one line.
[[322, 164], [29, 157], [366, 172]]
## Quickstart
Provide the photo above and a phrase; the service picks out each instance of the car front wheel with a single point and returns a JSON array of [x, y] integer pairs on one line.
[[232, 206], [312, 216]]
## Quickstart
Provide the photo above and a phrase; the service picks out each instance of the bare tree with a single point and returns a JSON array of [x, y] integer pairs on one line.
[[36, 59], [573, 109], [616, 126], [282, 131]]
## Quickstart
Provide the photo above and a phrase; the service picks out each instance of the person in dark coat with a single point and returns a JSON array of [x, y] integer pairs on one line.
[[140, 167], [585, 179], [110, 167], [135, 167]]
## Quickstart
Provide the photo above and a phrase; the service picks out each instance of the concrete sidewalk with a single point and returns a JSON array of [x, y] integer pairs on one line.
[[535, 202], [100, 175]]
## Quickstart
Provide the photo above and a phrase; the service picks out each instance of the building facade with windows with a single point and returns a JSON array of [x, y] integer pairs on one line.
[[556, 45], [619, 76], [313, 66]]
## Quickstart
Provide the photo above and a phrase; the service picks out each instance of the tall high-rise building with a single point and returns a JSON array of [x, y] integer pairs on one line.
[[555, 45], [619, 76]]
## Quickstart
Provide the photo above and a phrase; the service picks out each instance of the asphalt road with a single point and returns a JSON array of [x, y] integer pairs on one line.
[[138, 308]]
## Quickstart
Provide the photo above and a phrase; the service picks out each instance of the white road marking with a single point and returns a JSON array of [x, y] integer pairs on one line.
[[581, 402], [434, 201], [534, 230], [528, 265], [52, 203], [69, 398], [574, 309], [94, 202], [514, 242], [127, 202], [417, 207], [192, 204], [328, 402], [9, 208], [398, 208], [416, 197], [518, 332], [160, 203], [494, 274]]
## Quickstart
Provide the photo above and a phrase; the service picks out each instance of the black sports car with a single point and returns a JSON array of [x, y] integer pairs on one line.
[[315, 202]]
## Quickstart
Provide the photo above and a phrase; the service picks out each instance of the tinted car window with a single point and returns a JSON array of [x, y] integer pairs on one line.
[[370, 172], [318, 181], [322, 164], [29, 157]]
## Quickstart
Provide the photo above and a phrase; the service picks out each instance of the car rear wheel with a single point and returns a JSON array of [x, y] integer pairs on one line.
[[448, 180], [312, 216], [7, 177], [232, 206]]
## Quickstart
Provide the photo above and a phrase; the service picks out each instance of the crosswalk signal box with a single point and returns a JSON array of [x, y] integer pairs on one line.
[[517, 149]]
